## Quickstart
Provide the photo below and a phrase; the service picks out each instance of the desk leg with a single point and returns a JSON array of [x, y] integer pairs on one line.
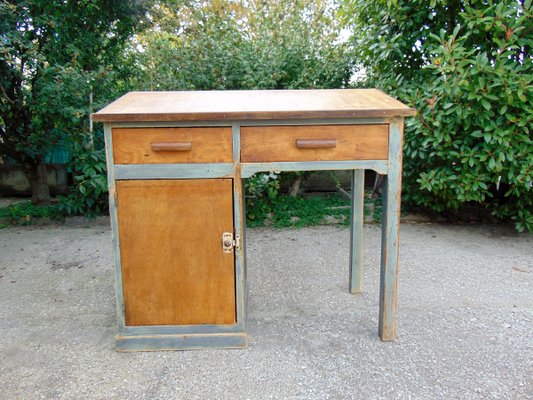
[[390, 234], [356, 231]]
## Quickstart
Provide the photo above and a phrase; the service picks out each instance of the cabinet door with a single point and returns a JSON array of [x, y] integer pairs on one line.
[[174, 271]]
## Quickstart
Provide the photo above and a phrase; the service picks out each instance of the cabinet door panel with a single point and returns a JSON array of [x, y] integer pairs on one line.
[[173, 269]]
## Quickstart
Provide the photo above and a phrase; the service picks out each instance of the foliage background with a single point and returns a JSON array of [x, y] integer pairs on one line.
[[52, 55], [464, 65], [257, 44]]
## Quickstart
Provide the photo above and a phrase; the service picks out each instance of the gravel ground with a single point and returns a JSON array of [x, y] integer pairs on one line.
[[464, 323]]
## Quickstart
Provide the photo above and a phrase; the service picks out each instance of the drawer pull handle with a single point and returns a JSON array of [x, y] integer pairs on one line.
[[172, 146], [316, 143]]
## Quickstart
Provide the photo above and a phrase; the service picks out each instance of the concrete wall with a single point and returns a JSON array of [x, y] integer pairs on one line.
[[13, 182]]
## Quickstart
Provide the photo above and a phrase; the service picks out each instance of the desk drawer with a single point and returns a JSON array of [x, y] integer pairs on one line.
[[314, 143], [172, 145]]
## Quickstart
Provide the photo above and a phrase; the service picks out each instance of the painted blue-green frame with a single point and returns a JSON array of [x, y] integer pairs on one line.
[[355, 277], [390, 234], [239, 229], [136, 338], [162, 337], [162, 342], [114, 225], [249, 169], [173, 171]]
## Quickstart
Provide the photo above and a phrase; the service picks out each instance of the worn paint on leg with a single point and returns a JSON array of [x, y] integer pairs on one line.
[[390, 234], [114, 225], [239, 222], [356, 231]]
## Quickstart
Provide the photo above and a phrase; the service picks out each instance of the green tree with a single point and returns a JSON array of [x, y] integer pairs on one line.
[[466, 67], [231, 44], [53, 53]]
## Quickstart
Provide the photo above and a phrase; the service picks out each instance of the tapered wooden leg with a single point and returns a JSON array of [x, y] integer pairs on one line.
[[390, 234], [356, 231]]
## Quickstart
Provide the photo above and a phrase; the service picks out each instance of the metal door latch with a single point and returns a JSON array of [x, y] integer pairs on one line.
[[228, 243]]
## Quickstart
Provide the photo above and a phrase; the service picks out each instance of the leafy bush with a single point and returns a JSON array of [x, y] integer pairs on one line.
[[89, 194], [471, 142], [261, 192], [466, 68]]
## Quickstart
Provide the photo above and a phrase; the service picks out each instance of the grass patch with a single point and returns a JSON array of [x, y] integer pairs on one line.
[[25, 213], [282, 211], [285, 211]]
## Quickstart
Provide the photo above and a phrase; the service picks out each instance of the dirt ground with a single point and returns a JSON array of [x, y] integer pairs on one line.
[[465, 320]]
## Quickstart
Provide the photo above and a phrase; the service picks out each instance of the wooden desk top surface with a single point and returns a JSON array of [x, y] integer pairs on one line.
[[252, 105]]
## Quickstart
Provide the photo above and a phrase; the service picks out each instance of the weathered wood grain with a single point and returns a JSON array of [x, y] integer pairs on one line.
[[171, 146], [252, 105], [280, 143], [111, 184], [173, 171], [390, 239], [196, 145], [240, 229], [173, 268], [316, 143], [249, 169], [176, 162], [181, 342], [356, 231]]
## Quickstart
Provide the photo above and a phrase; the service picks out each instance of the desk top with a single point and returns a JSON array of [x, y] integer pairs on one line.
[[252, 105]]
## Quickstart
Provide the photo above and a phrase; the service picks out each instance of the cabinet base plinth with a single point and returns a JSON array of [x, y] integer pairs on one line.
[[181, 342]]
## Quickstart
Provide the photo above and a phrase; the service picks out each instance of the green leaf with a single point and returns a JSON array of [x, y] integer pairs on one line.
[[485, 104]]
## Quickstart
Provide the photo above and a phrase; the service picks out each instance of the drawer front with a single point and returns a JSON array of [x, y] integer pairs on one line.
[[172, 145], [314, 143]]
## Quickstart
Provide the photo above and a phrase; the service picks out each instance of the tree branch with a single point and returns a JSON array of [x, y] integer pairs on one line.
[[5, 94]]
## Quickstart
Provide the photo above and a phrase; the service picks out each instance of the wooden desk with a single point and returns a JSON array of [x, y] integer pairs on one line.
[[176, 164]]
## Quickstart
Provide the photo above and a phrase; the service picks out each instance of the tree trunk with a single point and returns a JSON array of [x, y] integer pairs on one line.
[[294, 188], [379, 182], [36, 174]]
